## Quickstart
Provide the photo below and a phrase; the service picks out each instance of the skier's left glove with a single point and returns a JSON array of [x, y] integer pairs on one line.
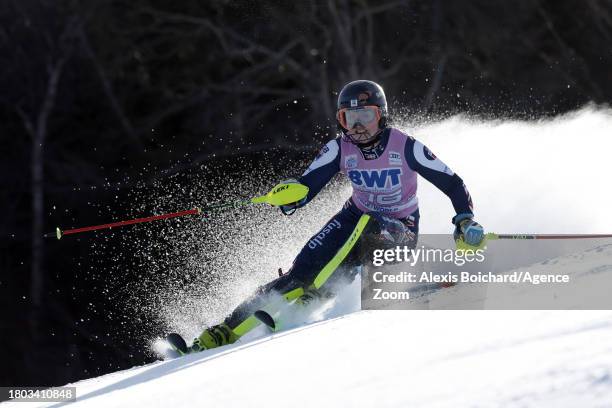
[[468, 230], [289, 209]]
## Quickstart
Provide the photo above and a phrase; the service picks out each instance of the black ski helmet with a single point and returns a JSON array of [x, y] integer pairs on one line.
[[362, 93]]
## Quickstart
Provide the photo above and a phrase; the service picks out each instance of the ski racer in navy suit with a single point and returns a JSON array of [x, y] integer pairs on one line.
[[382, 164]]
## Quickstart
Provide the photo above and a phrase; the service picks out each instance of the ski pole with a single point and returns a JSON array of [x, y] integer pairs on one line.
[[281, 194], [195, 211], [492, 235], [60, 233]]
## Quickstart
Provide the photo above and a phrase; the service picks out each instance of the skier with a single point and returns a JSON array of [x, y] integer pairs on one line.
[[382, 164]]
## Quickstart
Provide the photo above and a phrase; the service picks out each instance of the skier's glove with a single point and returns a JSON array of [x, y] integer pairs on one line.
[[290, 208], [393, 229], [468, 230]]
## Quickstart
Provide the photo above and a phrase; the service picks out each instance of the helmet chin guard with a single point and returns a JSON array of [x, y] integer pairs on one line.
[[367, 143]]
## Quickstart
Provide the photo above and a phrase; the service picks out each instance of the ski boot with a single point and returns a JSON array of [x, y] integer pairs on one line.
[[212, 337], [309, 296], [314, 295]]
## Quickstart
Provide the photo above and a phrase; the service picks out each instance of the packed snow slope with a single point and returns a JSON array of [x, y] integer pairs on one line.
[[387, 359], [525, 177]]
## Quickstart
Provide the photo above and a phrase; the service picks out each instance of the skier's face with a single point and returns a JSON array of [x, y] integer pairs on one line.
[[361, 123], [361, 134]]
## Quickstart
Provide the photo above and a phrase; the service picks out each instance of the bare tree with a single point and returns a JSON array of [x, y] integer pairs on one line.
[[35, 108]]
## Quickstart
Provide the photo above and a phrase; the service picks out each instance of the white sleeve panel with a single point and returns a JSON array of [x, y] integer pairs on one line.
[[427, 159], [327, 155]]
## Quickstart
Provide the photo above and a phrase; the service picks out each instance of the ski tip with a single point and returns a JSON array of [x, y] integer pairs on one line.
[[177, 342], [265, 318]]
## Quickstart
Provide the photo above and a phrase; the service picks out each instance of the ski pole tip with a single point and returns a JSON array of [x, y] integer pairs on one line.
[[57, 234]]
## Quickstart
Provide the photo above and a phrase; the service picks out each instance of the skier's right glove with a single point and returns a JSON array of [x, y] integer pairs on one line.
[[468, 230], [289, 209]]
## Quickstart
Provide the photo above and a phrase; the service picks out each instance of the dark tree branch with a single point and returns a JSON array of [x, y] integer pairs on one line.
[[125, 123]]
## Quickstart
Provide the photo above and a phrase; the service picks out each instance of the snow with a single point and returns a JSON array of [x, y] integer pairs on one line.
[[388, 358], [525, 177]]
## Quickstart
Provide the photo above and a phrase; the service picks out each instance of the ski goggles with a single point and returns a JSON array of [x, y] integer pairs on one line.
[[364, 115]]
